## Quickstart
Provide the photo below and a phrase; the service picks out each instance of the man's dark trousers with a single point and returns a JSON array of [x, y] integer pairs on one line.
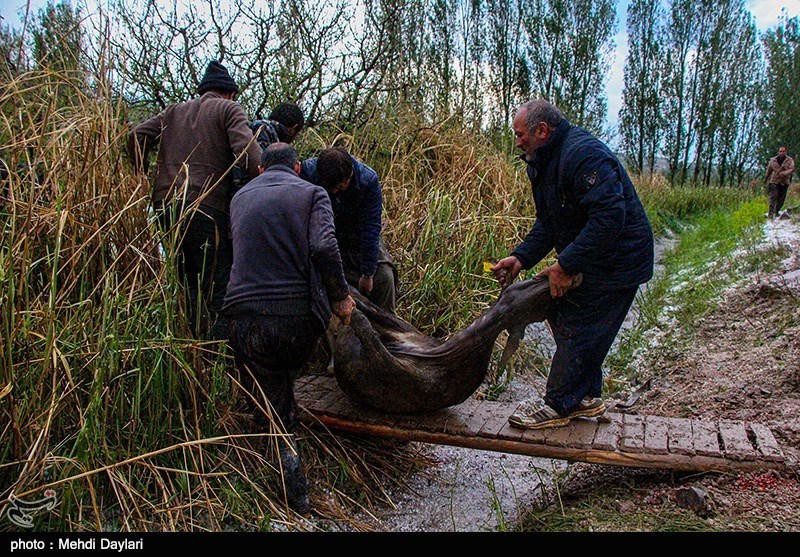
[[270, 351], [777, 196], [384, 287], [585, 323], [204, 265]]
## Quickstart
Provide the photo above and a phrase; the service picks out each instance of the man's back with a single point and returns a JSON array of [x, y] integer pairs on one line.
[[284, 245], [285, 257], [590, 209], [203, 136]]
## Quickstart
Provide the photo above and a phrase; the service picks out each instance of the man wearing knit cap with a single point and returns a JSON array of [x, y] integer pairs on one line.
[[199, 141]]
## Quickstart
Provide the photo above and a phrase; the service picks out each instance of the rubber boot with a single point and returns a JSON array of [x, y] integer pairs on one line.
[[294, 477]]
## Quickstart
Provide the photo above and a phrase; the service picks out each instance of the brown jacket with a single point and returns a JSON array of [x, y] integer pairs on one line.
[[780, 173], [202, 136]]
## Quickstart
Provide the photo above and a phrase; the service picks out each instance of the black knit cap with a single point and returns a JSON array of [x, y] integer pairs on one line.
[[217, 77]]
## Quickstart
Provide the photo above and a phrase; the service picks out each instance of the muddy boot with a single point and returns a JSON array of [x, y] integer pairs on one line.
[[294, 477]]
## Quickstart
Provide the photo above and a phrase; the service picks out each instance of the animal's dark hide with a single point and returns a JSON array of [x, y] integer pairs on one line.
[[386, 363]]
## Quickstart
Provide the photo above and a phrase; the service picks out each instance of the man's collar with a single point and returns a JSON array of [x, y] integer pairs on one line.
[[556, 138], [212, 94], [281, 167], [555, 141]]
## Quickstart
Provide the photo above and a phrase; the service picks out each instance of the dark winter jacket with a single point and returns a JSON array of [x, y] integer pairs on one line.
[[588, 210], [356, 211], [203, 137], [285, 257]]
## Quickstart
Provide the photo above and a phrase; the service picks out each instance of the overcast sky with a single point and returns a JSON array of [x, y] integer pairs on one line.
[[766, 14]]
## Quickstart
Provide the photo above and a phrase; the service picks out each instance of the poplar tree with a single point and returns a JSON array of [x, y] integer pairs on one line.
[[640, 116], [781, 106], [569, 51]]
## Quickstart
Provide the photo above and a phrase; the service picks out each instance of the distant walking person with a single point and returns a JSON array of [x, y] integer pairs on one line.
[[198, 142], [286, 280], [588, 211], [779, 176]]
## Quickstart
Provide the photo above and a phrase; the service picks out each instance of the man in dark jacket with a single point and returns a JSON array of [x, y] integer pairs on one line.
[[286, 280], [588, 211], [198, 143], [284, 123], [357, 206]]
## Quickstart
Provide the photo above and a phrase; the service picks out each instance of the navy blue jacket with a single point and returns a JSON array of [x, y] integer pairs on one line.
[[285, 257], [588, 210], [356, 212]]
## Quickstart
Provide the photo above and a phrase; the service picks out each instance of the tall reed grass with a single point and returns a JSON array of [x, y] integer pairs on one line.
[[106, 398]]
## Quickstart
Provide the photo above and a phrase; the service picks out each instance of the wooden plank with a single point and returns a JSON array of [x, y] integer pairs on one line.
[[734, 439], [315, 383], [498, 418], [656, 435], [474, 425], [511, 433], [327, 403], [480, 414], [408, 421], [767, 445], [645, 441], [670, 461], [706, 441], [632, 438], [302, 385], [459, 421], [680, 436], [466, 408], [582, 432], [557, 436], [324, 383], [302, 391], [344, 406], [339, 404], [434, 421], [607, 436], [348, 407], [312, 382], [310, 393], [534, 436]]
